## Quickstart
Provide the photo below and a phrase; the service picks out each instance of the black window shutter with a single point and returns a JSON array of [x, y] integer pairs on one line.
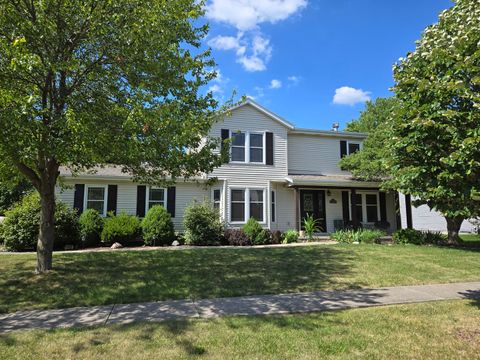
[[383, 207], [343, 148], [269, 145], [79, 197], [171, 200], [225, 136], [141, 198], [345, 208], [112, 198]]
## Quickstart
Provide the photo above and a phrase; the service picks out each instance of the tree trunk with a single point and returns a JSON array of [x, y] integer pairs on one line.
[[47, 226], [453, 227]]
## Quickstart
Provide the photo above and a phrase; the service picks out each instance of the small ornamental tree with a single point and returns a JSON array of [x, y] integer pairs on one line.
[[88, 82], [436, 132]]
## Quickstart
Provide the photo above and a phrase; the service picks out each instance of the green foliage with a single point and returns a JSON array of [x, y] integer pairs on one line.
[[67, 229], [202, 225], [256, 233], [121, 228], [21, 225], [311, 226], [290, 236], [408, 236], [365, 236], [11, 194], [157, 227], [416, 237], [435, 137], [371, 163], [144, 64], [91, 226]]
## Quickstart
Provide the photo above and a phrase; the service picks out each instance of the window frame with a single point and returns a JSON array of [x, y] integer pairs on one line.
[[273, 205], [363, 195], [147, 197], [247, 147], [246, 192], [219, 201], [105, 197], [359, 143]]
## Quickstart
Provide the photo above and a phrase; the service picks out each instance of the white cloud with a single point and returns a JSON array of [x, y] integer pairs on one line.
[[219, 83], [248, 14], [275, 84], [253, 49], [294, 79], [215, 88], [346, 95], [224, 42]]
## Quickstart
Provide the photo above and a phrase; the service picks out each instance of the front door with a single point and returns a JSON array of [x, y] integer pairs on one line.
[[312, 202]]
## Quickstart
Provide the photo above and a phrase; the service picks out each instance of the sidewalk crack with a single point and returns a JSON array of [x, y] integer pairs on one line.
[[108, 316]]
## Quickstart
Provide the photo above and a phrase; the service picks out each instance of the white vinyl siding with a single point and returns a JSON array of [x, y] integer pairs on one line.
[[314, 155]]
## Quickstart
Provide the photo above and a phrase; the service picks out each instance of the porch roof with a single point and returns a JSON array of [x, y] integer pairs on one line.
[[341, 181]]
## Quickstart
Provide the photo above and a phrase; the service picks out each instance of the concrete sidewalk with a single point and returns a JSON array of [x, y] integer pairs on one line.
[[247, 305]]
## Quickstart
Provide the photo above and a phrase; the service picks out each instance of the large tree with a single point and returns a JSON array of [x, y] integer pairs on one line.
[[371, 163], [87, 82], [435, 152]]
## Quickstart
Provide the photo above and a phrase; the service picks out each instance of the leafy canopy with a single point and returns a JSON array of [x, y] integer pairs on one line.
[[87, 82], [371, 163], [436, 131]]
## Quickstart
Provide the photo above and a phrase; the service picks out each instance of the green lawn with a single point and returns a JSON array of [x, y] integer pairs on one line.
[[134, 276], [436, 330], [471, 238]]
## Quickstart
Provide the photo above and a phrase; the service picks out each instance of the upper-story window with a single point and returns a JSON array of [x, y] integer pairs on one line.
[[248, 147]]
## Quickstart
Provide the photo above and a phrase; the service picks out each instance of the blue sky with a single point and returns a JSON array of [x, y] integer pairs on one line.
[[313, 62]]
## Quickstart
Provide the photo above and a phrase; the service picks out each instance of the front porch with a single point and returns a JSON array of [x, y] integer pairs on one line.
[[341, 202]]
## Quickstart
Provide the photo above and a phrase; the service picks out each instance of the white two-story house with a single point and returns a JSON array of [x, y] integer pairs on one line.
[[277, 174]]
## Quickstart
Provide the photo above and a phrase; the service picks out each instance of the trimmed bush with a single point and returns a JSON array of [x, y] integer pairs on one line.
[[435, 237], [157, 227], [21, 225], [364, 236], [121, 228], [416, 237], [237, 237], [290, 236], [91, 226], [408, 236], [256, 233], [202, 224], [67, 229]]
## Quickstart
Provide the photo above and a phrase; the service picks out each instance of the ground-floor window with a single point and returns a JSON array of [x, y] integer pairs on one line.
[[273, 206], [216, 199], [247, 203], [156, 196], [367, 207], [96, 199]]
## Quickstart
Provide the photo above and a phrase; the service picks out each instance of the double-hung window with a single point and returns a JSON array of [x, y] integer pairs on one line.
[[156, 196], [256, 148], [216, 199], [247, 203], [238, 147], [256, 204], [248, 147], [237, 207], [96, 198]]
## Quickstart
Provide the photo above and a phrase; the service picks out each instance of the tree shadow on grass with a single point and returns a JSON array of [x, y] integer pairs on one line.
[[85, 279], [474, 296]]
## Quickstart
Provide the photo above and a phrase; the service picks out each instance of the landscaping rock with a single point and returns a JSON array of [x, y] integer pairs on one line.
[[116, 246], [175, 243]]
